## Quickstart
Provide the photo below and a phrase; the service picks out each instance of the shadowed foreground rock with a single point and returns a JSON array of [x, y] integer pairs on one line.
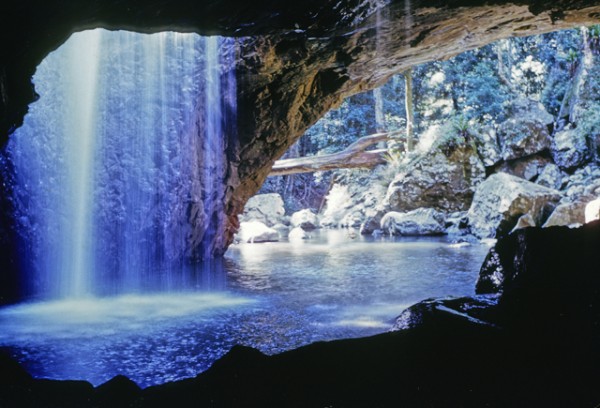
[[529, 339]]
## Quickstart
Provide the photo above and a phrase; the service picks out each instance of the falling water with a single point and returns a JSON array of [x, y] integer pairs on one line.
[[118, 167]]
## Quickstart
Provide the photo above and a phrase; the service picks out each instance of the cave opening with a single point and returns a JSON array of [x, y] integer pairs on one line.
[[106, 175], [235, 297]]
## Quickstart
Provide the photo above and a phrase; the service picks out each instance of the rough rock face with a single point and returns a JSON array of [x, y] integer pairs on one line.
[[550, 177], [528, 168], [527, 132], [502, 199], [305, 219], [296, 60], [349, 203], [569, 214], [266, 208], [569, 149], [582, 185], [422, 221], [443, 179]]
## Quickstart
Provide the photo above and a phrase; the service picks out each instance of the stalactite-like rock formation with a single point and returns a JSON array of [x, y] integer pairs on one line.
[[296, 60]]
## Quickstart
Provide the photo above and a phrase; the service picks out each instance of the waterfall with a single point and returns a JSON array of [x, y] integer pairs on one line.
[[118, 169]]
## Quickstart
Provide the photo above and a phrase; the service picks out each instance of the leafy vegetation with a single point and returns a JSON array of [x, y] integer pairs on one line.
[[470, 91]]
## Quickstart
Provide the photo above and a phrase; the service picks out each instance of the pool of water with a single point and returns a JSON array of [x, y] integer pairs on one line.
[[271, 296]]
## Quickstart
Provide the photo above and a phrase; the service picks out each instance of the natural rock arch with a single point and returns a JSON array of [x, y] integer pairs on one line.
[[296, 60]]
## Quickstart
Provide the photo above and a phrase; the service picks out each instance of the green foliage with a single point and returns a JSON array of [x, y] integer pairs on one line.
[[594, 40], [460, 124], [471, 90]]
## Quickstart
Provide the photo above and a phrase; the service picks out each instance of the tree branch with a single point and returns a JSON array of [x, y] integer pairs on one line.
[[352, 156]]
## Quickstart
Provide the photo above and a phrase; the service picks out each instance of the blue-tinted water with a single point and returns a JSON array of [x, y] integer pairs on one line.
[[273, 296]]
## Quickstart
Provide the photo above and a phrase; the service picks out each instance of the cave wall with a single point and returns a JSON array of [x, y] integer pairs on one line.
[[296, 60]]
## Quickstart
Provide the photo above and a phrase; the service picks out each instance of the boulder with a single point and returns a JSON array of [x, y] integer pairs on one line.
[[569, 149], [372, 223], [298, 234], [256, 231], [282, 229], [582, 185], [502, 199], [525, 221], [528, 168], [527, 132], [444, 178], [457, 223], [352, 219], [550, 177], [592, 211], [266, 208], [489, 150], [567, 214], [431, 311], [422, 221], [547, 279], [353, 198], [305, 219]]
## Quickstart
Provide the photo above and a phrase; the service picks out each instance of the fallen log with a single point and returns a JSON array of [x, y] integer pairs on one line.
[[354, 156]]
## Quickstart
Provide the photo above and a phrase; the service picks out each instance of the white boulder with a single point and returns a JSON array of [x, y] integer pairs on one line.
[[256, 231]]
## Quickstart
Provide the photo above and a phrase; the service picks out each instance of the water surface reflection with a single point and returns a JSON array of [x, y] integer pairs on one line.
[[273, 296]]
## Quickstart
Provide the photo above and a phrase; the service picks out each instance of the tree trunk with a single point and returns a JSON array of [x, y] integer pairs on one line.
[[571, 97], [379, 116], [409, 109], [503, 52], [353, 156]]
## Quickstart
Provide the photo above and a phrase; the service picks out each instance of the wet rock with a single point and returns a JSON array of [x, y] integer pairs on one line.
[[266, 208], [305, 219], [255, 232], [418, 222], [569, 149], [372, 223], [457, 223], [502, 199], [430, 311]]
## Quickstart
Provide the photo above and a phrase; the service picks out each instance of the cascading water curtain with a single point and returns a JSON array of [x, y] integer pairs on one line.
[[119, 167]]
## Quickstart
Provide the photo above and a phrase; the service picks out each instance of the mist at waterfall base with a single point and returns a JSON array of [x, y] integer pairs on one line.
[[115, 169]]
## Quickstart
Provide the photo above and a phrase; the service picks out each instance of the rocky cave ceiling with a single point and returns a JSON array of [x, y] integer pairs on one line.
[[296, 60]]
